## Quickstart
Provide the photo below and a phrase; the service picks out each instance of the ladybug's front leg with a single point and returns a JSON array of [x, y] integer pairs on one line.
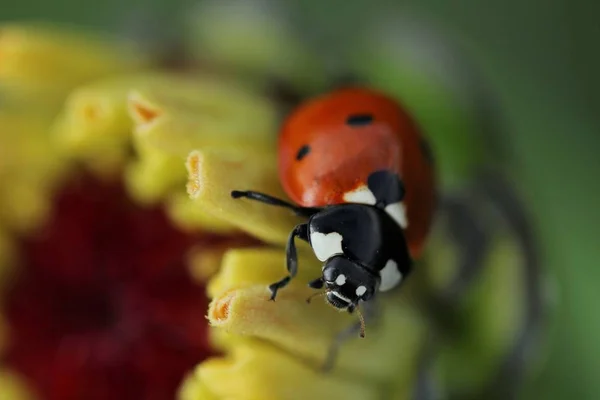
[[274, 201], [300, 231]]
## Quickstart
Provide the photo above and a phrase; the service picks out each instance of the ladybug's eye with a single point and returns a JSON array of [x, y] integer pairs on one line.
[[359, 119], [304, 150]]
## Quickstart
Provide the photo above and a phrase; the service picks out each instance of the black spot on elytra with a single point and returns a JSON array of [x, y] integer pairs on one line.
[[359, 119], [303, 152]]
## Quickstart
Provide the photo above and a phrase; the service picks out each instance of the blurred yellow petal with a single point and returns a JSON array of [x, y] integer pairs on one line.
[[187, 214], [213, 174], [94, 125], [44, 56], [257, 371], [204, 263], [247, 267], [154, 175], [195, 114], [292, 324], [23, 206], [194, 389], [174, 114], [241, 310], [30, 168], [13, 387]]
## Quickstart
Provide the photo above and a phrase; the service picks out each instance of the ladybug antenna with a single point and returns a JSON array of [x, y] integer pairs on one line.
[[362, 322], [308, 300]]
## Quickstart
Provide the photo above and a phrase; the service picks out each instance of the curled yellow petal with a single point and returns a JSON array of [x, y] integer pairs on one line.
[[173, 114], [94, 125], [260, 266], [257, 371], [193, 388], [30, 168], [188, 215], [201, 113], [24, 205], [293, 325], [45, 56], [14, 387], [205, 263], [154, 175], [213, 174]]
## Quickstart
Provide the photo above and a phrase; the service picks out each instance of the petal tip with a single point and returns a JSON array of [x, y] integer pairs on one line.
[[219, 309], [143, 113], [193, 165]]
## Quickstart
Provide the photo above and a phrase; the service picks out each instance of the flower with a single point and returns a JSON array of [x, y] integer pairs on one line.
[[100, 246], [128, 271]]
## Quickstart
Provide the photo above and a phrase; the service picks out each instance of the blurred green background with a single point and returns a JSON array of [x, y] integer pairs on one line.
[[541, 60]]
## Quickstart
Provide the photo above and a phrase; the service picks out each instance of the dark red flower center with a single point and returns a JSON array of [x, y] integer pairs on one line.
[[103, 306]]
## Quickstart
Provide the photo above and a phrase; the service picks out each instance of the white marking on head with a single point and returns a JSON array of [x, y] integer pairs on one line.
[[339, 296], [326, 245], [361, 195], [398, 213], [340, 280], [361, 290], [390, 276]]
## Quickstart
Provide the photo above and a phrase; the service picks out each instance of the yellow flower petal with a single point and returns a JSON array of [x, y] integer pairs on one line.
[[44, 56], [13, 387], [23, 206], [195, 114], [256, 371], [213, 174], [188, 215], [247, 267], [94, 125], [194, 389], [240, 310], [174, 114], [30, 168], [204, 263], [154, 175], [293, 325]]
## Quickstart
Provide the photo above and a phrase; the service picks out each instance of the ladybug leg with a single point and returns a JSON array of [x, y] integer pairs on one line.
[[369, 311], [300, 231], [274, 201]]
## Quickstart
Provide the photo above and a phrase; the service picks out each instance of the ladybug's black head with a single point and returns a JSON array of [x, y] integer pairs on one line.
[[347, 282]]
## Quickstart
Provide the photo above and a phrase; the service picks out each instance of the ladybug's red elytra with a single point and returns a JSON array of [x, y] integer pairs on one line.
[[329, 145], [357, 167]]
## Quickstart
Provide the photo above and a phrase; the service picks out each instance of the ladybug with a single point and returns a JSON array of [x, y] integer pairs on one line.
[[356, 166]]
